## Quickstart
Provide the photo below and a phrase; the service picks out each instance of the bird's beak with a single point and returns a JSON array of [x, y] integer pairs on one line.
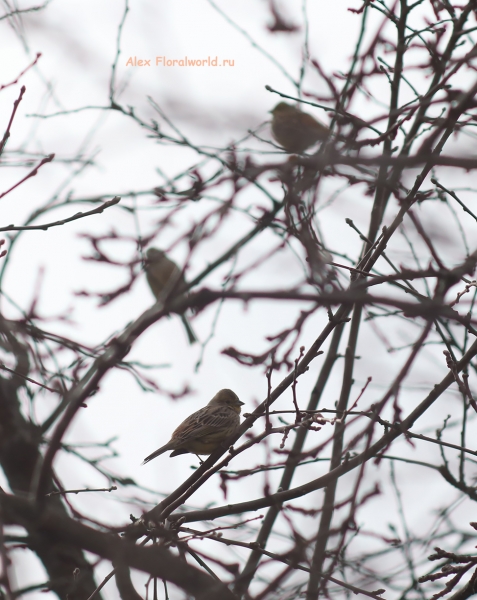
[[241, 403]]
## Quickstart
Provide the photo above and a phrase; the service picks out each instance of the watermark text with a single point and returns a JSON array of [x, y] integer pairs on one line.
[[165, 61]]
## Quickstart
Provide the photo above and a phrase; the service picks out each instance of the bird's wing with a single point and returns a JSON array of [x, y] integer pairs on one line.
[[204, 422]]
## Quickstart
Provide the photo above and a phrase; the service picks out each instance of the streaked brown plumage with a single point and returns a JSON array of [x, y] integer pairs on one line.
[[166, 279], [296, 130], [203, 431]]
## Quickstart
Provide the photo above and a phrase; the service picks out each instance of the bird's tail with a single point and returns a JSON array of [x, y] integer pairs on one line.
[[190, 332], [159, 451]]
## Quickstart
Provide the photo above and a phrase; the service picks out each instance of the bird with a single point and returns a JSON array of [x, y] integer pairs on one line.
[[166, 280], [203, 431], [296, 130]]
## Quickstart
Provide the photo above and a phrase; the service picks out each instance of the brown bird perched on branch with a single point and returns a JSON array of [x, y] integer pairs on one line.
[[166, 280], [204, 431], [296, 130]]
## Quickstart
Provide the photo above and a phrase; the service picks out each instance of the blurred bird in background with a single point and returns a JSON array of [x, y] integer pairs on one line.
[[166, 280], [295, 130], [204, 431]]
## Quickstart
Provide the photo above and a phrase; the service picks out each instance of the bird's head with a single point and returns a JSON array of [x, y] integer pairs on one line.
[[154, 254], [282, 108], [227, 398]]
